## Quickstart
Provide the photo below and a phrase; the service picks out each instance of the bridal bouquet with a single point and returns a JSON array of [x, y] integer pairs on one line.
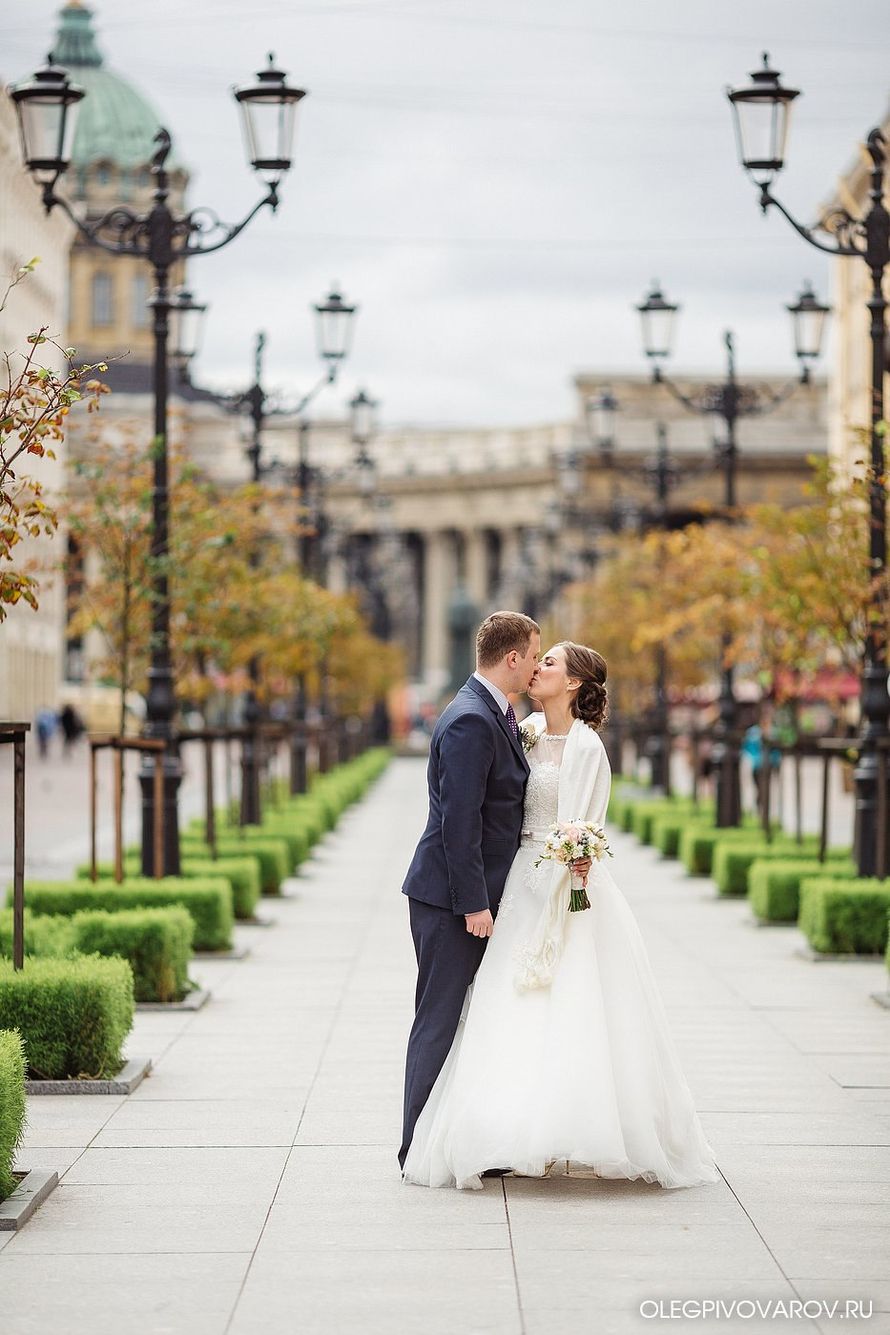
[[568, 842]]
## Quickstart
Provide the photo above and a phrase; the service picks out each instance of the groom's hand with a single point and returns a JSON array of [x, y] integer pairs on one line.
[[480, 924]]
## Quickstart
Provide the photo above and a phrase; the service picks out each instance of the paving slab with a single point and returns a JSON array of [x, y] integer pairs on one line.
[[250, 1182]]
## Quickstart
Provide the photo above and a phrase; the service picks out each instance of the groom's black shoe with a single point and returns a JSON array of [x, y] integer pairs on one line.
[[496, 1172]]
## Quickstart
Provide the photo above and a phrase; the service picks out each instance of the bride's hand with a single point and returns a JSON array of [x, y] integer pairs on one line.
[[582, 868]]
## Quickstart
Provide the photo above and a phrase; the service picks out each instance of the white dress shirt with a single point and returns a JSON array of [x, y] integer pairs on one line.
[[503, 702]]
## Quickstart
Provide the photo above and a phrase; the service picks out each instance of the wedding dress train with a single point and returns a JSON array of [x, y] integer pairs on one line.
[[563, 1051]]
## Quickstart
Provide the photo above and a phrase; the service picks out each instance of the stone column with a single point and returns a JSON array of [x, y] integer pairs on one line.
[[509, 593], [476, 569], [337, 575], [438, 581]]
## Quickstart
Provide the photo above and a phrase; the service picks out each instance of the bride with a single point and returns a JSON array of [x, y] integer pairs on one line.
[[563, 1051]]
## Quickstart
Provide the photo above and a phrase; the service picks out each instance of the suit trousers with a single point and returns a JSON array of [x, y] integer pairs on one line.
[[447, 959]]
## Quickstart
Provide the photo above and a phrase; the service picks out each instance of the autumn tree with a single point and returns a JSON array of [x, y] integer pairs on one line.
[[35, 400]]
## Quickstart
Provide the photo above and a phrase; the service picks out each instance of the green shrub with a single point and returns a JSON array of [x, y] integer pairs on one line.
[[696, 846], [666, 829], [309, 820], [271, 853], [698, 839], [615, 812], [845, 917], [296, 822], [275, 826], [43, 936], [643, 815], [12, 1105], [156, 942], [668, 826], [626, 822], [319, 799], [208, 901], [73, 1014], [243, 875], [300, 826], [732, 857], [774, 884]]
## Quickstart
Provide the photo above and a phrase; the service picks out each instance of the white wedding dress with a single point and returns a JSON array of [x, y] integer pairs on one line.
[[582, 1070]]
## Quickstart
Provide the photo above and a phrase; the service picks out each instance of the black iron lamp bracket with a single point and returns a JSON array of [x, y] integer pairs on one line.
[[159, 235], [866, 238]]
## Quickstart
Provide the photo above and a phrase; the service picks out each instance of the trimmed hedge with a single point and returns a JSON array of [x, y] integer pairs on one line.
[[616, 812], [274, 826], [774, 884], [323, 801], [12, 1105], [209, 902], [296, 822], [699, 838], [157, 943], [73, 1014], [43, 936], [732, 857], [845, 917], [307, 818], [649, 811], [668, 825], [299, 829], [243, 875], [271, 853], [642, 816]]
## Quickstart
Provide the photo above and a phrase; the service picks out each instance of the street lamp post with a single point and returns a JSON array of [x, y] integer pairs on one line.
[[363, 414], [252, 746], [334, 323], [761, 113], [662, 475], [729, 401], [334, 319], [46, 107], [661, 472]]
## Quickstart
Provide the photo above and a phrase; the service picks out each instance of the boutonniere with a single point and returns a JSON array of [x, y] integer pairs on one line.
[[528, 737]]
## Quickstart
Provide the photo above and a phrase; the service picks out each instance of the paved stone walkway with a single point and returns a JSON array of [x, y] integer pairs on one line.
[[250, 1184]]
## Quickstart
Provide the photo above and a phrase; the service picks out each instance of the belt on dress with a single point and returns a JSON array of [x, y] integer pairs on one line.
[[535, 836]]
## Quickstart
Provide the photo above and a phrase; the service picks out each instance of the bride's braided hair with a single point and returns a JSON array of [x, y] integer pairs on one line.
[[591, 703]]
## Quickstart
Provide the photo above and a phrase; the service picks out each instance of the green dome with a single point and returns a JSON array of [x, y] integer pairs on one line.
[[115, 122]]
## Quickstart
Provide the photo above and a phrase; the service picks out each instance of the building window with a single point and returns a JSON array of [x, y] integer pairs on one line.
[[103, 300], [140, 314]]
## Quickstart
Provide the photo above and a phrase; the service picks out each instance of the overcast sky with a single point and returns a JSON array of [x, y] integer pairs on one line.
[[495, 182]]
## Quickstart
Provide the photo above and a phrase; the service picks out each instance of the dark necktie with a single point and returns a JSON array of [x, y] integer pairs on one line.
[[511, 721]]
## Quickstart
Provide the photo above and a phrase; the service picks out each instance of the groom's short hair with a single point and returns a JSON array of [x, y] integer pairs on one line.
[[500, 634]]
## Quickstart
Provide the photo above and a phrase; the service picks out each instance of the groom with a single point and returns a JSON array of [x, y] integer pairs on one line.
[[476, 776]]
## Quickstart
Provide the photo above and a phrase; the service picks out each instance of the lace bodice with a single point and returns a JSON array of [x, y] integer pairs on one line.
[[542, 789]]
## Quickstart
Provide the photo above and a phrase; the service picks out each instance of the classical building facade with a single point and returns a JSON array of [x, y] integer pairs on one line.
[[451, 523], [507, 517], [31, 642]]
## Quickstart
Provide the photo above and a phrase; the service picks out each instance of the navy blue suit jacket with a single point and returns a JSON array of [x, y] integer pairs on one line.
[[476, 775]]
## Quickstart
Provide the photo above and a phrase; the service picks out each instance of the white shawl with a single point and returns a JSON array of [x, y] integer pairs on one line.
[[584, 783]]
